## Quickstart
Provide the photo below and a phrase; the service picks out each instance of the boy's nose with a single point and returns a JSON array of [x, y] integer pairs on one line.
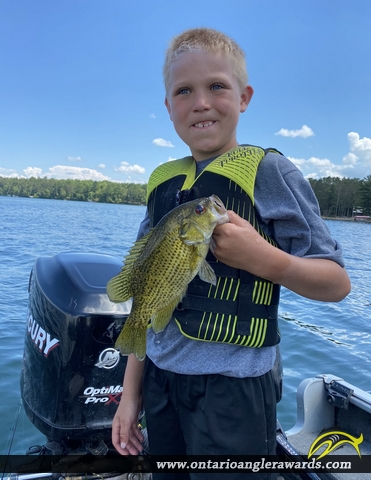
[[201, 101]]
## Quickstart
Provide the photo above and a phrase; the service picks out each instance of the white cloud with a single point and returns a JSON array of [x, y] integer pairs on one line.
[[32, 172], [101, 165], [130, 179], [8, 173], [311, 175], [125, 167], [66, 172], [350, 159], [170, 159], [304, 132], [355, 164], [323, 167], [152, 115], [360, 147], [297, 161], [160, 142], [74, 159], [74, 173], [59, 172]]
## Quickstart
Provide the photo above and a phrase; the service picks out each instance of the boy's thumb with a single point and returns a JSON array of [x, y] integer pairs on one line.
[[234, 218], [124, 438]]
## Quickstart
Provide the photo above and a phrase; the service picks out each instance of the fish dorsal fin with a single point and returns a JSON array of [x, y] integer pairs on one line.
[[119, 287], [137, 249], [206, 273]]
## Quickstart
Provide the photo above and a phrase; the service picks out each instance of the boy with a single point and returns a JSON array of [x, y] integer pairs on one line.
[[208, 386]]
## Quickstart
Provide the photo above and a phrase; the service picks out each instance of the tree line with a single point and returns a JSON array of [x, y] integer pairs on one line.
[[337, 197], [80, 190], [341, 197]]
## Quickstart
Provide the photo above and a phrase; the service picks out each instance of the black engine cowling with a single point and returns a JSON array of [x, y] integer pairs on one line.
[[71, 379]]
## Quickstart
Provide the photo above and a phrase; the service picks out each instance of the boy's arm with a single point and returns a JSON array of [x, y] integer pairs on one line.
[[126, 436], [239, 245]]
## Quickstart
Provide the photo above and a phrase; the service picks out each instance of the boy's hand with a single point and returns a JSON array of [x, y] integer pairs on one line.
[[126, 435], [239, 245]]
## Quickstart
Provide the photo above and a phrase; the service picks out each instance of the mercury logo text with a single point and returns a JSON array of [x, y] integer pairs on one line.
[[104, 395], [42, 339]]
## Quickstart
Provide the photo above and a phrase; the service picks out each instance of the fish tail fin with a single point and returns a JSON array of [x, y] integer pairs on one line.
[[132, 338]]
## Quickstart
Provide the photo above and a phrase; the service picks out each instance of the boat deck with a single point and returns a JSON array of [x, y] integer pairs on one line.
[[339, 407]]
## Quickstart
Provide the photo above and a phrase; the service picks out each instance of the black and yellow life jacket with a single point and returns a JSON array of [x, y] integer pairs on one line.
[[242, 308]]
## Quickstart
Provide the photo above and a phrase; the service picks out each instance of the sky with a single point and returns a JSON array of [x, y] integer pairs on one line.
[[82, 96]]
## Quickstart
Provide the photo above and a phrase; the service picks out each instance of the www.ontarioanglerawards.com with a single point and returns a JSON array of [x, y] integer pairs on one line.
[[262, 465]]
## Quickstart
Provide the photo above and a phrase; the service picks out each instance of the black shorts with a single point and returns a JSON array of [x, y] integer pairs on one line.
[[209, 415]]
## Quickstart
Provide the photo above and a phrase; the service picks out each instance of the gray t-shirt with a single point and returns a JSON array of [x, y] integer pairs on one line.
[[290, 213]]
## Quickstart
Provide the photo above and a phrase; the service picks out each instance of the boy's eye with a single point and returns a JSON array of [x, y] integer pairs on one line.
[[216, 87], [183, 91]]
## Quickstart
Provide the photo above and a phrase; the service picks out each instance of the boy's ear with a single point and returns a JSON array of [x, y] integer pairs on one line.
[[168, 107], [246, 96]]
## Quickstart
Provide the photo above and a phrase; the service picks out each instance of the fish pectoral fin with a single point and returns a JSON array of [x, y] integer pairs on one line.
[[161, 319], [132, 338], [119, 288], [206, 273]]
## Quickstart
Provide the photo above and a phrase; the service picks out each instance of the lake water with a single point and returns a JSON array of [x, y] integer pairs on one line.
[[317, 337]]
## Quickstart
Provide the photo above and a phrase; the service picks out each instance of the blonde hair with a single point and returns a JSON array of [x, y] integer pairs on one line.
[[207, 40]]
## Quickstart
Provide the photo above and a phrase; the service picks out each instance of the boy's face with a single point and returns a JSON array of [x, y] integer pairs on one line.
[[204, 101]]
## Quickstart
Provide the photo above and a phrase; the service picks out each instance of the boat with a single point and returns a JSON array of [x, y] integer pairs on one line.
[[334, 423], [71, 383], [362, 218]]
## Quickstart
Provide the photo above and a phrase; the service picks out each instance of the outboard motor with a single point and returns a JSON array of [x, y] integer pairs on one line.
[[71, 379]]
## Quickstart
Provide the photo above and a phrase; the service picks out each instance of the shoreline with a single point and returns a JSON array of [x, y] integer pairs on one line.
[[345, 219]]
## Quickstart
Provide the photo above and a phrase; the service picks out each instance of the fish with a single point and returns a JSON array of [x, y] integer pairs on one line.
[[159, 267]]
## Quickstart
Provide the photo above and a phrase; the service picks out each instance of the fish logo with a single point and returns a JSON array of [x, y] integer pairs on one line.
[[334, 439]]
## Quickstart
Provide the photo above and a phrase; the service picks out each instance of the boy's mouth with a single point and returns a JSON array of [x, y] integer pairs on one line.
[[203, 124]]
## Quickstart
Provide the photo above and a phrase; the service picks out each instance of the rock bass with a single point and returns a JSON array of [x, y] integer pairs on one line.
[[159, 267]]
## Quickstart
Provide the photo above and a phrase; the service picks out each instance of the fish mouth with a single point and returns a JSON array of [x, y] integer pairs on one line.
[[220, 208]]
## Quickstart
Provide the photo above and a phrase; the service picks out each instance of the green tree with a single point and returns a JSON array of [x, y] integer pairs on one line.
[[365, 195]]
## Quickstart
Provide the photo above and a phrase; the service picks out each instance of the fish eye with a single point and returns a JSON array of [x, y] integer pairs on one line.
[[200, 209]]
